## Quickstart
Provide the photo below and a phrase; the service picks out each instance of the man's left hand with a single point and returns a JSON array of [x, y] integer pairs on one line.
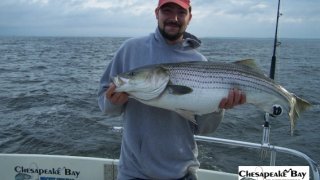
[[235, 97]]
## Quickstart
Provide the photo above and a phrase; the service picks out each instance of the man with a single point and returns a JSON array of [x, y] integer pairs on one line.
[[158, 143]]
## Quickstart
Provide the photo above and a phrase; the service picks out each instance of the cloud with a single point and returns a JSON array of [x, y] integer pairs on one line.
[[136, 17], [256, 18], [58, 16]]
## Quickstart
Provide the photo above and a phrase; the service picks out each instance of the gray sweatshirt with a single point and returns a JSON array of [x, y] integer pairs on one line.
[[156, 143]]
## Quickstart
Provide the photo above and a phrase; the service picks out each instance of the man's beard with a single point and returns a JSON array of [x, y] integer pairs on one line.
[[170, 36]]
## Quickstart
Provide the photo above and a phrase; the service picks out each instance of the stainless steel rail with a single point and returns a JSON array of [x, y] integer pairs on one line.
[[314, 167], [264, 146]]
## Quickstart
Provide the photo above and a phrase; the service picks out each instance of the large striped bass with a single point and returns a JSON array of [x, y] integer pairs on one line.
[[196, 88]]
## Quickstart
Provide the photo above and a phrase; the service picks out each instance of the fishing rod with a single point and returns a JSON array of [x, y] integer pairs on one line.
[[275, 44], [266, 126]]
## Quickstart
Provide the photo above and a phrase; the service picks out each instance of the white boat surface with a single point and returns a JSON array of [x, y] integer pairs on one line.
[[57, 167], [62, 167]]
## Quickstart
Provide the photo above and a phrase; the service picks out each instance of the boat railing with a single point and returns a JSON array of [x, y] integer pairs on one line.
[[314, 167], [266, 146]]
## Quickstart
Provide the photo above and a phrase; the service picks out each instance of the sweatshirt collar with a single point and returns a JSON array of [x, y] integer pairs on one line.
[[189, 40]]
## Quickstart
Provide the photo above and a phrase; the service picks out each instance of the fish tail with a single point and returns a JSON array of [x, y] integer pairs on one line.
[[299, 105]]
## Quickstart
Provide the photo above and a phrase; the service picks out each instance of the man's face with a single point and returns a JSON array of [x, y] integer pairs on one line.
[[172, 20]]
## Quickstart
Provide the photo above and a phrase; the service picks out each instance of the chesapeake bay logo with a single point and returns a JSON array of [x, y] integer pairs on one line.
[[31, 173], [273, 173]]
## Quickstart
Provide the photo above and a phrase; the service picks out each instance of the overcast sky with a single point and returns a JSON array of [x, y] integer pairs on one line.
[[129, 18]]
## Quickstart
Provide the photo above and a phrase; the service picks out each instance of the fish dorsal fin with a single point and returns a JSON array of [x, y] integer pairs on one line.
[[248, 62], [178, 89], [251, 63]]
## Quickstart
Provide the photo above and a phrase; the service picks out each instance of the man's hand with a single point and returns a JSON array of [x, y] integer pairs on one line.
[[235, 97], [116, 98]]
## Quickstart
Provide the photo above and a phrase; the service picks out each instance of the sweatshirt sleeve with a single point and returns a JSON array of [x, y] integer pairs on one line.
[[208, 123], [115, 67]]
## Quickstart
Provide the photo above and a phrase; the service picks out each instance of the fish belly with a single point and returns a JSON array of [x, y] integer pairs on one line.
[[198, 102]]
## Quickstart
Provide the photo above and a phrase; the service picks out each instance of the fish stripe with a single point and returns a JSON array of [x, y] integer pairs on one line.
[[215, 75]]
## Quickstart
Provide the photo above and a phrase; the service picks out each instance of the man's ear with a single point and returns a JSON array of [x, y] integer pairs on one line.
[[156, 11], [190, 18]]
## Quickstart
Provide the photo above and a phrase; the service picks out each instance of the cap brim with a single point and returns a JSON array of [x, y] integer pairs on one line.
[[182, 4]]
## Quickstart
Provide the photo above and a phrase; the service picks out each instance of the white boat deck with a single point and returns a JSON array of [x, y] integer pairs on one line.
[[58, 167], [55, 167]]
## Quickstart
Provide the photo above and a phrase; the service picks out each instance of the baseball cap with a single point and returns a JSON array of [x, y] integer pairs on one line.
[[183, 3]]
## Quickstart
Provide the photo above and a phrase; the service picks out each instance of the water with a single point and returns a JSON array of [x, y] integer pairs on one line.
[[48, 102]]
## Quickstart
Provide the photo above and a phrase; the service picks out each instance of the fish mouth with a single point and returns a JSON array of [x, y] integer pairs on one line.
[[118, 81]]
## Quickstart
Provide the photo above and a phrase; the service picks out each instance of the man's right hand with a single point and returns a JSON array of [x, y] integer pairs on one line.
[[116, 98]]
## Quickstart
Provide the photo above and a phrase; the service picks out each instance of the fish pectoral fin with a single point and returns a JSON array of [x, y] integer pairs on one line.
[[178, 89], [189, 115]]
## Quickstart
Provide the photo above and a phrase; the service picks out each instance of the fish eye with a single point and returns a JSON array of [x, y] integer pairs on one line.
[[131, 74]]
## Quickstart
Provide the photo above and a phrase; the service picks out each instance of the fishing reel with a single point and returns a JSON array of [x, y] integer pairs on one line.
[[276, 110]]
